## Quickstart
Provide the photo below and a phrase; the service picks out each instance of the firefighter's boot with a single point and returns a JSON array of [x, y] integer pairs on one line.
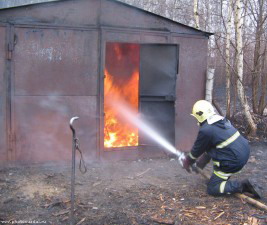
[[251, 187]]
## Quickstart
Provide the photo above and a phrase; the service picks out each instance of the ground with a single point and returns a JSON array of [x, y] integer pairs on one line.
[[150, 191]]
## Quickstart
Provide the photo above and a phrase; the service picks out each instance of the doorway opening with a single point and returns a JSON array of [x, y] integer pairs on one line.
[[143, 76], [121, 84]]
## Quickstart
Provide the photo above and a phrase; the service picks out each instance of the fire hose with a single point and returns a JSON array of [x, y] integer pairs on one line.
[[237, 195], [82, 166]]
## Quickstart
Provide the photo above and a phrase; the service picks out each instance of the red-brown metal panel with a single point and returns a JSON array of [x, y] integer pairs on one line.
[[190, 87], [2, 58], [154, 38], [42, 127], [121, 36], [55, 62], [79, 13], [55, 78], [3, 150]]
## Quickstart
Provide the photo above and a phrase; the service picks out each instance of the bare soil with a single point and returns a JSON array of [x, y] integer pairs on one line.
[[154, 191]]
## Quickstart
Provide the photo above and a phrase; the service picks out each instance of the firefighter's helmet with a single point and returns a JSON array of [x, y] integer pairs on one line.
[[202, 110]]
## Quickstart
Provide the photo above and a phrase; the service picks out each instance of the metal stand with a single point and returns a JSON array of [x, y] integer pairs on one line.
[[73, 169]]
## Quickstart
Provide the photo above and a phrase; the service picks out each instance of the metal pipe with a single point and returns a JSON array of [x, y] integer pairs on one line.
[[72, 197]]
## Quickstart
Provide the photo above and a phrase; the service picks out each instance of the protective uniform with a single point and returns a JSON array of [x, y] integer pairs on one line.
[[218, 140]]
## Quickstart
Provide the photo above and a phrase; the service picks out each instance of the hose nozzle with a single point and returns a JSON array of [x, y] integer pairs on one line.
[[181, 158]]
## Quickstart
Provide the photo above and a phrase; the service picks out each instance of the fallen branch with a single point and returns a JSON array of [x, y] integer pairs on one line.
[[219, 215], [238, 195], [81, 221], [251, 201]]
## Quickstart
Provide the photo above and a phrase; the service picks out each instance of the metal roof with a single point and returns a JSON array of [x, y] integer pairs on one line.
[[4, 4], [162, 17]]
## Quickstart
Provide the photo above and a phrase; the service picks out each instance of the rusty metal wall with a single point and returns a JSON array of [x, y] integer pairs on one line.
[[3, 149], [42, 130], [55, 77], [190, 87], [65, 60], [65, 13]]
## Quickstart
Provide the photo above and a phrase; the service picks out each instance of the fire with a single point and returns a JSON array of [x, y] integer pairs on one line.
[[120, 87]]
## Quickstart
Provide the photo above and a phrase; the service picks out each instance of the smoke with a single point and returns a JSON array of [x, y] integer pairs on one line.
[[42, 128], [125, 111], [52, 103], [122, 60]]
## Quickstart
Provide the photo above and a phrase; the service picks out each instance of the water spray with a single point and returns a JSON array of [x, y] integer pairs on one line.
[[126, 112]]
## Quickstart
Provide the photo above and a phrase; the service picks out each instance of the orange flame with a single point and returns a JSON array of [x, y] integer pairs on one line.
[[117, 131]]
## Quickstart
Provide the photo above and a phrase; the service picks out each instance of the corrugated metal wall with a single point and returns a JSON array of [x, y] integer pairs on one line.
[[55, 77]]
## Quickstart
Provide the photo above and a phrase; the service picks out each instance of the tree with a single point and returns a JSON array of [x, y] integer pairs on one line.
[[239, 59], [228, 60], [238, 53], [196, 16]]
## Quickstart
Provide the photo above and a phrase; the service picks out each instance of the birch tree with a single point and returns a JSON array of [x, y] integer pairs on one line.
[[239, 59], [262, 102], [238, 64], [256, 12], [196, 15], [228, 60]]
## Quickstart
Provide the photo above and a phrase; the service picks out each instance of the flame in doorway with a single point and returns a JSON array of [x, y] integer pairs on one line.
[[120, 87]]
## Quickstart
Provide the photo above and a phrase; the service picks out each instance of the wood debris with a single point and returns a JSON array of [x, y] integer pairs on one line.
[[81, 221], [220, 214], [252, 221], [63, 212]]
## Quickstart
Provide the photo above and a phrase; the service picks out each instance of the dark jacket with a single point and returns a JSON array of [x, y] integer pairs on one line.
[[223, 144]]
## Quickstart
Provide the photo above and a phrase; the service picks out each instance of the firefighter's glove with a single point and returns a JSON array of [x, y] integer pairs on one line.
[[187, 162], [203, 160]]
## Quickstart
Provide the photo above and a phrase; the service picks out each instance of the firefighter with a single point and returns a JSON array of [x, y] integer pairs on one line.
[[218, 140]]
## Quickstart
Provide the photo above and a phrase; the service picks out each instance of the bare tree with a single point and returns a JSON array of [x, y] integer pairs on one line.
[[257, 12], [238, 53], [227, 56], [240, 56], [262, 102], [196, 15]]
